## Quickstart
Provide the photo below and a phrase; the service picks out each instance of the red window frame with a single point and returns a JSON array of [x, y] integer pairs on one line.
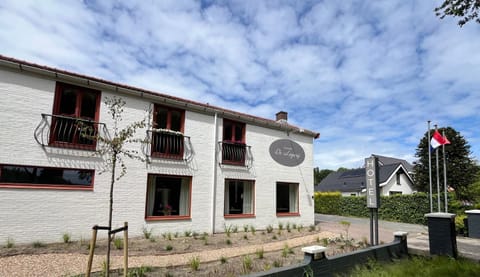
[[167, 217], [297, 212], [169, 152], [231, 141], [41, 185], [242, 215], [79, 91]]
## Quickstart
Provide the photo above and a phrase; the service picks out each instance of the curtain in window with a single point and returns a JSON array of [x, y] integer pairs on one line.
[[226, 207], [293, 199], [150, 195], [247, 198], [184, 197]]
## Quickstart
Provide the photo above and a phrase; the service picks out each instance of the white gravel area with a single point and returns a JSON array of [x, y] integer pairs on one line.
[[73, 264]]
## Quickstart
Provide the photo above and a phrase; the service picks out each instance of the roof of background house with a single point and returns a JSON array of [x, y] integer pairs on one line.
[[83, 80], [354, 180], [383, 160]]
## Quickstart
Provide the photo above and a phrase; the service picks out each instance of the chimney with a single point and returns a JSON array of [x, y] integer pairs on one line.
[[282, 116]]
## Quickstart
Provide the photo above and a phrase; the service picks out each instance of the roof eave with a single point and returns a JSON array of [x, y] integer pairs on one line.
[[54, 73]]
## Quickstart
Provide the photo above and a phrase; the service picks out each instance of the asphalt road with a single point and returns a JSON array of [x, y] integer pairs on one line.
[[360, 227], [417, 238]]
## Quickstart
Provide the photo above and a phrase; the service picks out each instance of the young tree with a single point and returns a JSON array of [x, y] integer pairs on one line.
[[461, 168], [319, 175], [114, 149], [466, 9]]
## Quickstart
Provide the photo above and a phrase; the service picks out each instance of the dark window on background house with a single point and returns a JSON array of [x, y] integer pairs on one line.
[[168, 196], [287, 198], [239, 197], [31, 176], [74, 108], [167, 139], [233, 145]]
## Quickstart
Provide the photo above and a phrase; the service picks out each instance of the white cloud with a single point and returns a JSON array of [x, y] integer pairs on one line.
[[366, 75]]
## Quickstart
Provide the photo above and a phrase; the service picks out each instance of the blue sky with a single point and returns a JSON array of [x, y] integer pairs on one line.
[[367, 75]]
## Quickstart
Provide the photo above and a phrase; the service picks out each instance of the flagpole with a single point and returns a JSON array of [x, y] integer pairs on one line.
[[445, 174], [430, 167], [438, 175]]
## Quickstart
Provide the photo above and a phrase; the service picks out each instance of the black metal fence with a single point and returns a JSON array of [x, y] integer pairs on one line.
[[315, 262]]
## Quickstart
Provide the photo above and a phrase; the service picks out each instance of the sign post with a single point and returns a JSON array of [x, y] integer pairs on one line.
[[373, 196]]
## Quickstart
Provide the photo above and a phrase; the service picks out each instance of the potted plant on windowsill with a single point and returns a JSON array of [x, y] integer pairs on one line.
[[167, 210]]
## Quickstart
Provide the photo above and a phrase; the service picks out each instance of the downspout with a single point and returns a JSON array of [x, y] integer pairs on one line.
[[214, 183]]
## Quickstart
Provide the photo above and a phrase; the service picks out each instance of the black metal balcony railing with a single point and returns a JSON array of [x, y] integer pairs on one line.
[[235, 153], [167, 144], [68, 132]]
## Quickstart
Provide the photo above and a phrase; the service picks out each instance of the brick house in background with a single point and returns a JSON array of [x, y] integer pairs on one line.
[[207, 167]]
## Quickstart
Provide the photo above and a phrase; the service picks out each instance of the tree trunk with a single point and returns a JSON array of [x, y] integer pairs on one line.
[[110, 211]]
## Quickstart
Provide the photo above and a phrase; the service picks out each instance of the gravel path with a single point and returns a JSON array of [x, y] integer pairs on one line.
[[73, 264]]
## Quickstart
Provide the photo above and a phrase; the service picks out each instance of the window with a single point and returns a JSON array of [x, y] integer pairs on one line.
[[239, 198], [75, 110], [398, 179], [168, 197], [287, 198], [18, 176], [233, 146], [167, 138], [395, 193]]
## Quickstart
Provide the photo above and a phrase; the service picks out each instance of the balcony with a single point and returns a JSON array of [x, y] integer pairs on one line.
[[235, 153], [167, 144], [69, 132]]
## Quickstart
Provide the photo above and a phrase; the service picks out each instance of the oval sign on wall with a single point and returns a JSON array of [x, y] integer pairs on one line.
[[287, 152]]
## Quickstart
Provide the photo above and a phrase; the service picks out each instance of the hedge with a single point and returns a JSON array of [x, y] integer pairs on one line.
[[409, 208]]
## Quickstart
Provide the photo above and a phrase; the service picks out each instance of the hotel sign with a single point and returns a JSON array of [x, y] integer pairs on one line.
[[287, 152], [371, 176]]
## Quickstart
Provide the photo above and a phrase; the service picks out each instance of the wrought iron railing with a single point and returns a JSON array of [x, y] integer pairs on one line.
[[168, 145], [69, 132], [235, 153]]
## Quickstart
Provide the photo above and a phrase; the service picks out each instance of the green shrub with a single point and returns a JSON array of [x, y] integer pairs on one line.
[[277, 263], [401, 208], [139, 271], [118, 243], [38, 244], [10, 243], [147, 233], [459, 224], [247, 264], [260, 253], [269, 229], [66, 238], [223, 260], [327, 202], [194, 263]]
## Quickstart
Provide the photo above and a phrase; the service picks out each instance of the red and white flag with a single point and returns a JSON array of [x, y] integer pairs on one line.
[[438, 140]]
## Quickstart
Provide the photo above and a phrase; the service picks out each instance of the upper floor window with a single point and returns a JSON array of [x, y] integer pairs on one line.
[[167, 138], [75, 112], [233, 146], [19, 176]]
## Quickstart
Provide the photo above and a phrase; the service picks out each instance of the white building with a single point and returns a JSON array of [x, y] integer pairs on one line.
[[393, 177], [207, 167]]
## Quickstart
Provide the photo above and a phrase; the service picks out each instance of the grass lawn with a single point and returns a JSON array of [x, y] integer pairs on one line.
[[421, 266]]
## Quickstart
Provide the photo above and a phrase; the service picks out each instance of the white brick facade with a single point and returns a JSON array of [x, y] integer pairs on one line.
[[38, 214]]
